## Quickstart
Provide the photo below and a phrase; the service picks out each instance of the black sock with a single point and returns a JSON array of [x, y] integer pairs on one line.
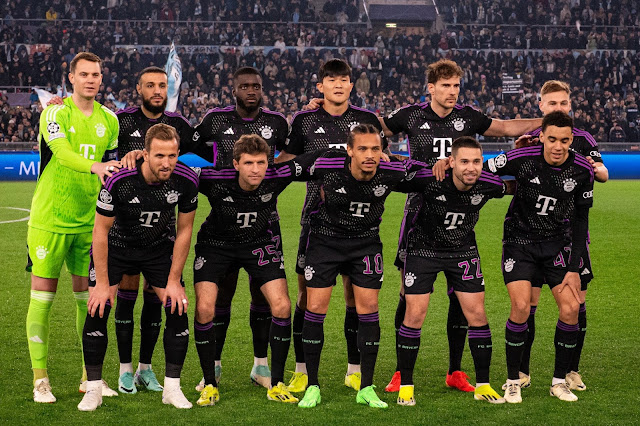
[[150, 324], [456, 333], [481, 348], [407, 349], [312, 341], [368, 344], [565, 341], [351, 335], [260, 321], [400, 311], [206, 345], [515, 335], [531, 335], [220, 326], [280, 338], [176, 341], [298, 323], [126, 301], [94, 343], [574, 365]]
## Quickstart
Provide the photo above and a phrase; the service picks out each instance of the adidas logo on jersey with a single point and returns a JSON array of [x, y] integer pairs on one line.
[[228, 199], [535, 180], [425, 126], [341, 190], [320, 130], [134, 201], [229, 131], [136, 134], [72, 129], [95, 334], [586, 271], [441, 198]]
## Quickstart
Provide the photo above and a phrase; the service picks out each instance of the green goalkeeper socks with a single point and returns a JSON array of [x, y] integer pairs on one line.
[[38, 330]]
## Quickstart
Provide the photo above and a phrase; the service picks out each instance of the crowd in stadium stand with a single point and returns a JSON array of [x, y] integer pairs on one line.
[[606, 84]]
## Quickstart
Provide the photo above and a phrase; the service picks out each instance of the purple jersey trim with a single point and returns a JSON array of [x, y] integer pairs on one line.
[[176, 114], [188, 176], [117, 176], [361, 109], [586, 135], [266, 111], [128, 110], [303, 112]]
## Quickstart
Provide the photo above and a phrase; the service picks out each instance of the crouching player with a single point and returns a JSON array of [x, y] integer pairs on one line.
[[240, 232], [443, 239], [134, 233], [544, 235]]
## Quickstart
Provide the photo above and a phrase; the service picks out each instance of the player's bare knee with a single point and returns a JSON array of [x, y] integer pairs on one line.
[[281, 307], [568, 311], [204, 312]]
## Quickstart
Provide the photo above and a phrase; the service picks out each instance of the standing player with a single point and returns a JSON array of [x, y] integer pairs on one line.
[[325, 127], [344, 238], [556, 96], [219, 131], [442, 238], [134, 124], [431, 128], [240, 232], [544, 233], [134, 232], [73, 138]]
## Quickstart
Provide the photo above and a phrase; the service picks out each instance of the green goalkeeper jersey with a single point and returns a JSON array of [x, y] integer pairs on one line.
[[70, 142]]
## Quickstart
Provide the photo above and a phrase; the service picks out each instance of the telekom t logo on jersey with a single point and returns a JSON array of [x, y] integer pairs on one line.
[[453, 219], [149, 218], [442, 147], [359, 208], [545, 204], [88, 151], [246, 219]]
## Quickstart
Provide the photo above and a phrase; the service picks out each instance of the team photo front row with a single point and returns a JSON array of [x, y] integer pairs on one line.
[[137, 231]]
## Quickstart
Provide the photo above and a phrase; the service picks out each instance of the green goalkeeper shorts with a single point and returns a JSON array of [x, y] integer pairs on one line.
[[49, 250]]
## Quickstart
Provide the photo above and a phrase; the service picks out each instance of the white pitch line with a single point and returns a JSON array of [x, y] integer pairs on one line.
[[16, 220]]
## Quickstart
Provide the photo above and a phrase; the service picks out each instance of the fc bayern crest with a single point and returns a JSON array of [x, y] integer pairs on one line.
[[308, 273], [477, 199], [100, 130], [266, 197], [199, 263], [353, 125], [508, 265], [458, 124], [409, 279], [569, 185], [266, 132], [172, 197], [380, 190]]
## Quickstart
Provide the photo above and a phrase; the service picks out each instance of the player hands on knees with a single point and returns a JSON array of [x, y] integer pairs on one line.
[[142, 237]]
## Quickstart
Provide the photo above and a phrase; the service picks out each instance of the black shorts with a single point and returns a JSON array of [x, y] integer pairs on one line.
[[411, 209], [531, 262], [358, 258], [227, 287], [302, 248], [263, 262], [153, 263], [585, 271], [463, 274]]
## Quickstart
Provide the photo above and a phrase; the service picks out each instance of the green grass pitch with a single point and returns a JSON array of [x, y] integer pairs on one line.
[[609, 364]]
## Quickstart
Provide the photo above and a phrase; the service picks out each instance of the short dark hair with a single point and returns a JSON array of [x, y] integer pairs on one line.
[[246, 71], [160, 131], [464, 142], [151, 70], [558, 119], [250, 144], [444, 68], [334, 68], [87, 56], [362, 129]]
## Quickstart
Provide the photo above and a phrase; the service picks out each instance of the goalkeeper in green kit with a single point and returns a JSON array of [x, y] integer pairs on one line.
[[78, 146]]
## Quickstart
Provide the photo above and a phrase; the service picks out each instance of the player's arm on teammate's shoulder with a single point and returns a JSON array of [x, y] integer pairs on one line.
[[512, 128], [416, 177], [130, 159], [441, 167], [526, 140], [601, 173], [314, 103], [301, 165], [175, 290], [294, 144], [385, 129], [102, 292], [54, 126]]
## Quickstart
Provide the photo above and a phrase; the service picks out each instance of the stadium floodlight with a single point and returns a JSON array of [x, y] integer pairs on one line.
[[391, 25]]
